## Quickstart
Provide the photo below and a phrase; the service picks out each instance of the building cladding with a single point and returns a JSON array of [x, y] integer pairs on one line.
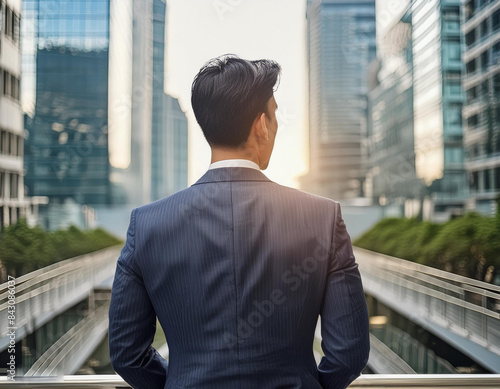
[[481, 113], [169, 149], [415, 111], [438, 100], [13, 203], [341, 45], [391, 146], [170, 167], [66, 67]]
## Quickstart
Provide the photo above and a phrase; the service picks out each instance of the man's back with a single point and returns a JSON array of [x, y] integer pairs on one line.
[[237, 269]]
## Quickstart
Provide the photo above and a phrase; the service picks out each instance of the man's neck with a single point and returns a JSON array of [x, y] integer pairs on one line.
[[219, 154]]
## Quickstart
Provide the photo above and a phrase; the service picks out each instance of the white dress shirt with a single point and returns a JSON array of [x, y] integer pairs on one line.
[[234, 163]]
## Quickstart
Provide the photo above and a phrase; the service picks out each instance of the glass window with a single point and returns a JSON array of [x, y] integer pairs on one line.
[[453, 50], [496, 20], [483, 29], [486, 177], [453, 155], [470, 38], [453, 88], [451, 26], [471, 67], [453, 115], [6, 83], [496, 54], [473, 121], [471, 94], [485, 60], [469, 9], [14, 180], [496, 84]]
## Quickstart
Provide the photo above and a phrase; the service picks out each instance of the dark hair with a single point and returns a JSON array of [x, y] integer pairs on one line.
[[227, 95]]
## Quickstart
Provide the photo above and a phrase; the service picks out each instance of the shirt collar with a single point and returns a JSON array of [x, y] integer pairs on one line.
[[234, 163]]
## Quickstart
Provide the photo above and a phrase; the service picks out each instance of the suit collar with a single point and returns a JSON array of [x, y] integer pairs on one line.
[[232, 174]]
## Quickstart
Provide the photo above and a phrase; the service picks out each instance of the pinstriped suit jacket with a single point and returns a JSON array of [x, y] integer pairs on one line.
[[237, 269]]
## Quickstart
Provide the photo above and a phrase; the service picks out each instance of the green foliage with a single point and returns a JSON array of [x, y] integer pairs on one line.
[[467, 245], [24, 249]]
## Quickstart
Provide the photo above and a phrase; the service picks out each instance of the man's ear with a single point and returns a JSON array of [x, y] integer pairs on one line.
[[263, 126]]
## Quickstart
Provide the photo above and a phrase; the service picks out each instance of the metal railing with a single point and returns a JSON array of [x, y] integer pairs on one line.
[[68, 353], [44, 293], [455, 381], [464, 306]]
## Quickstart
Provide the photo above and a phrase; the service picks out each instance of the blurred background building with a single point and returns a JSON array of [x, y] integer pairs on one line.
[[13, 203], [415, 120], [438, 99], [93, 93], [341, 45], [169, 152], [391, 176], [481, 28]]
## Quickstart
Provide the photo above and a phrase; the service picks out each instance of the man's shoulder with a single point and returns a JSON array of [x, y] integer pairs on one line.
[[306, 196], [165, 202]]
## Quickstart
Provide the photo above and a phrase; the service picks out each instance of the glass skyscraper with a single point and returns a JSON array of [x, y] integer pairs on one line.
[[391, 152], [438, 100], [481, 26], [65, 70], [97, 114], [169, 149], [341, 45], [416, 113]]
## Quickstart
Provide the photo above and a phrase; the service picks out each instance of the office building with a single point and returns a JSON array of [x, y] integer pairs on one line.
[[169, 159], [13, 202], [94, 101], [341, 45], [391, 175], [415, 119], [481, 113], [65, 77], [438, 100]]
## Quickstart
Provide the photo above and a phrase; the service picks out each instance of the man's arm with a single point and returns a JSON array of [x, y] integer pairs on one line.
[[132, 324], [344, 315]]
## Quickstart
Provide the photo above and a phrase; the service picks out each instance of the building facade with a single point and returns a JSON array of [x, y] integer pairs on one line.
[[65, 71], [94, 102], [341, 45], [416, 149], [438, 100], [391, 176], [169, 148], [170, 151], [481, 113], [13, 203]]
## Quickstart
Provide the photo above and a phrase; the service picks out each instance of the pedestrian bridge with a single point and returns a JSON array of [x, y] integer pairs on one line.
[[463, 312]]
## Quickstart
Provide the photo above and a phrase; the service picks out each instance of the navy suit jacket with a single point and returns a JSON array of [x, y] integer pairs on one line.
[[237, 269]]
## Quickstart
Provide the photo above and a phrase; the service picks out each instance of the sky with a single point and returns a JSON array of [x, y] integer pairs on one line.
[[199, 30]]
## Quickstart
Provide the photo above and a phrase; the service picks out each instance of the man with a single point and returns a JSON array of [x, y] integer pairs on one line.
[[237, 268]]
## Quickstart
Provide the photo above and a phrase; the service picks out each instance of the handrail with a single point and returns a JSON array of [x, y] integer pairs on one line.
[[403, 263], [113, 381], [55, 359], [51, 271], [46, 292], [427, 295]]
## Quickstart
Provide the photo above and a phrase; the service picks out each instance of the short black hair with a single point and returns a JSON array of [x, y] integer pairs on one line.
[[228, 94]]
